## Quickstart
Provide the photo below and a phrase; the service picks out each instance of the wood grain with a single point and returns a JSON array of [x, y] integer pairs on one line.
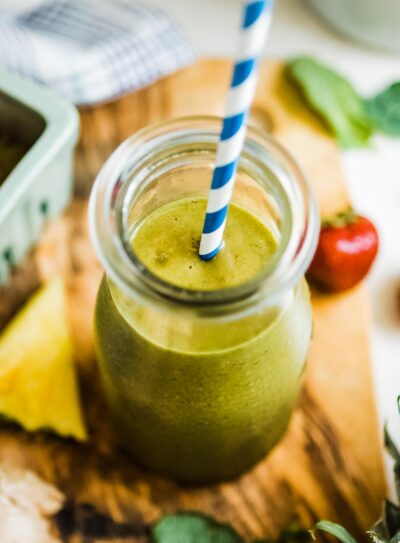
[[329, 464]]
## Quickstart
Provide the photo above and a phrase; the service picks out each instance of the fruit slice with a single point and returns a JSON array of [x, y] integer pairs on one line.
[[38, 384]]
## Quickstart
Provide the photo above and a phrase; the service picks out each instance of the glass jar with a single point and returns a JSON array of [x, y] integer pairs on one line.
[[201, 384]]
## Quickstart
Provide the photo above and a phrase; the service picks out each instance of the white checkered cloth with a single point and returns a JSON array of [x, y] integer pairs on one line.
[[91, 51]]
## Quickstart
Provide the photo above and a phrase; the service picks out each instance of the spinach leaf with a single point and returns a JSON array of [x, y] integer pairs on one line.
[[334, 99], [384, 110], [193, 528], [336, 530]]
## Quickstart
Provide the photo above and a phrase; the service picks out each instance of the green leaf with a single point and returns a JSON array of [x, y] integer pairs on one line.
[[193, 528], [336, 530], [334, 100], [384, 110]]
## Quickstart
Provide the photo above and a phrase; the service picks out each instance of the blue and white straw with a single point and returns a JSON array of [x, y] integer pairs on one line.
[[256, 21]]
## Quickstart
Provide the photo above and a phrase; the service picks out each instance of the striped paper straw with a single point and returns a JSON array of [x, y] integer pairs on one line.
[[256, 21]]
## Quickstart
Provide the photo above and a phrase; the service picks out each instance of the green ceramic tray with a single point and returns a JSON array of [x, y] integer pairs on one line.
[[40, 185]]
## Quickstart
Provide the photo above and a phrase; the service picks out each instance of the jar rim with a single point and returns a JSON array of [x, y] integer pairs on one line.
[[106, 212]]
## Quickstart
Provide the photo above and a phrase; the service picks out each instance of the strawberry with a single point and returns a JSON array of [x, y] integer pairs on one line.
[[347, 247]]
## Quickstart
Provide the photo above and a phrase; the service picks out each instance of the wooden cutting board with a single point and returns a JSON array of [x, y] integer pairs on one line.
[[329, 464]]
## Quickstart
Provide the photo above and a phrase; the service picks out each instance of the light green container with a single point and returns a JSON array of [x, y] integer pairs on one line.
[[40, 185]]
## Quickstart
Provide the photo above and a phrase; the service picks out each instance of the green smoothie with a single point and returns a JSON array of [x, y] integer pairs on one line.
[[168, 243], [193, 398]]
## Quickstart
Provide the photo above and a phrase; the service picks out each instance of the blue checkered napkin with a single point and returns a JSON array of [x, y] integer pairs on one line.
[[90, 51]]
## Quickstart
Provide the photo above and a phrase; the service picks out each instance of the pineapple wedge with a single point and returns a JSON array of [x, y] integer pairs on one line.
[[38, 384]]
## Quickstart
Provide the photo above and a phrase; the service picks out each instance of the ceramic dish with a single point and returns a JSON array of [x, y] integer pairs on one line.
[[375, 23]]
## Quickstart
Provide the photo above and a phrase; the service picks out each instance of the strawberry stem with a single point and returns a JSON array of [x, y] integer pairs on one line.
[[341, 219]]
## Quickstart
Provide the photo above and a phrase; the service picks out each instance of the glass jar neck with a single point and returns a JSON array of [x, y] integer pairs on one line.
[[174, 160]]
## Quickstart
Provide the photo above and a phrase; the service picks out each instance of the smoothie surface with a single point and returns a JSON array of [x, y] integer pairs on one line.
[[167, 243]]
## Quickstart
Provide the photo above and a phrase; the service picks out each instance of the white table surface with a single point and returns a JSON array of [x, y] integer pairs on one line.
[[373, 175]]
